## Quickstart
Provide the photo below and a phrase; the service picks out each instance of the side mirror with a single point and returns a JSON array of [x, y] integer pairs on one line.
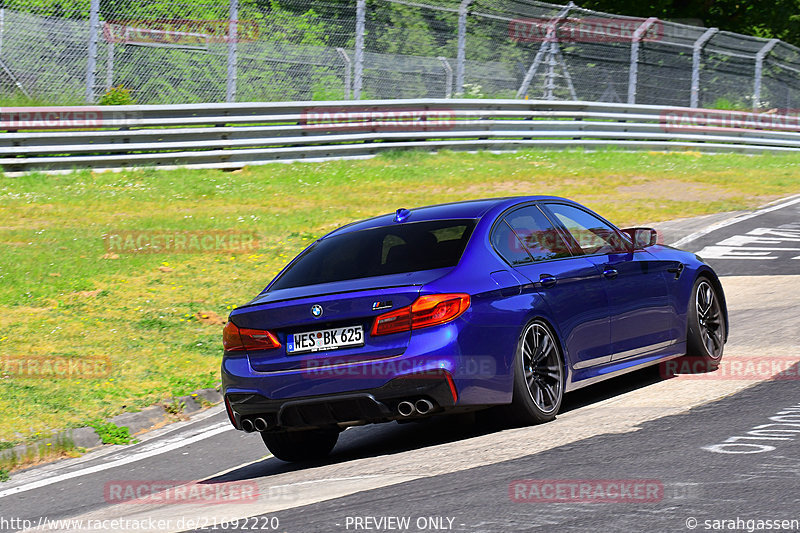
[[642, 237]]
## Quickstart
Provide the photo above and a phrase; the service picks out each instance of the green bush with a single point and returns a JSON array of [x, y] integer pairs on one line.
[[110, 433], [117, 96]]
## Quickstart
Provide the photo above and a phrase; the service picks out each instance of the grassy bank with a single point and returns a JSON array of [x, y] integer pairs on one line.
[[154, 316]]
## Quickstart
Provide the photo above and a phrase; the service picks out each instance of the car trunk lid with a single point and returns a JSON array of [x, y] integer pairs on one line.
[[355, 303]]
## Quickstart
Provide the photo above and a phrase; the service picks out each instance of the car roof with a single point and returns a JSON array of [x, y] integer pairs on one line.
[[469, 209]]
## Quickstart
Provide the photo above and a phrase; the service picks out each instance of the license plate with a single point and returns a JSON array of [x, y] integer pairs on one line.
[[326, 339]]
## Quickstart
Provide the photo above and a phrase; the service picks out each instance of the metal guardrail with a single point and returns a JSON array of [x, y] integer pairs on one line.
[[230, 136]]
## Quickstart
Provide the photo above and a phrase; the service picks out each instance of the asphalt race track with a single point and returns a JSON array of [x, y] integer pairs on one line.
[[763, 245], [711, 452]]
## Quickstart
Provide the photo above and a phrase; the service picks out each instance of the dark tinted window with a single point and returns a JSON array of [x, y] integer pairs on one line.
[[592, 234], [379, 251], [508, 245], [537, 233]]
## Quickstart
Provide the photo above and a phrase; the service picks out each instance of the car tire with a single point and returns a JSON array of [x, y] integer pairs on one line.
[[538, 376], [706, 329], [299, 446]]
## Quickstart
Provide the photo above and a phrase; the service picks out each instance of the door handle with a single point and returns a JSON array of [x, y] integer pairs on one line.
[[610, 273], [547, 280]]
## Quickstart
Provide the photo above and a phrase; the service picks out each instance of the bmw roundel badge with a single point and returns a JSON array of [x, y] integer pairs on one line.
[[316, 311]]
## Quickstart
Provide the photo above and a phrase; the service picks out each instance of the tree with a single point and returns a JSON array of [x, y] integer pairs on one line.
[[777, 18]]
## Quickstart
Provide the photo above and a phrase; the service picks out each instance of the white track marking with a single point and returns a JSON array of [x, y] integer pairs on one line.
[[735, 220], [160, 447], [111, 453]]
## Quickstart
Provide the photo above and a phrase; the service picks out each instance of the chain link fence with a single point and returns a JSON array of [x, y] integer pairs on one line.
[[75, 51]]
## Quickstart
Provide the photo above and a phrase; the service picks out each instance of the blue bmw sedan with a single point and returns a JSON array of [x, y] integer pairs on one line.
[[506, 302]]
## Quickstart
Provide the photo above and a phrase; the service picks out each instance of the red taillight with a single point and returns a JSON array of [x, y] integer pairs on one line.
[[236, 338], [437, 309], [393, 322], [230, 337], [426, 311]]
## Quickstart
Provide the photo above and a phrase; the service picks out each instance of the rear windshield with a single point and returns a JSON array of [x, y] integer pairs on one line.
[[380, 251]]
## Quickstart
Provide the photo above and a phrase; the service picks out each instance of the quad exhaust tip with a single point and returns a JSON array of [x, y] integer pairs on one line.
[[247, 425], [406, 408], [420, 407], [260, 424], [423, 406]]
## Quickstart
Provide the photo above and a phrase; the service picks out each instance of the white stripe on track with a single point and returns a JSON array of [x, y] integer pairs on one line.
[[176, 442], [791, 200]]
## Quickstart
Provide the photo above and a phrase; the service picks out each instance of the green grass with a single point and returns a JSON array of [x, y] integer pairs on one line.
[[60, 294], [20, 100], [111, 433], [40, 452]]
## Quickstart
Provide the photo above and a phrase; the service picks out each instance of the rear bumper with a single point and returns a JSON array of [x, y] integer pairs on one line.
[[446, 365], [374, 405]]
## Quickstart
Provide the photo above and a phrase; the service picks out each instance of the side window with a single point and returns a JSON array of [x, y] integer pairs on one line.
[[592, 234], [508, 245], [537, 233]]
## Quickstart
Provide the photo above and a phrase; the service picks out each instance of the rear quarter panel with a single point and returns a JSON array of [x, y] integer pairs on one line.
[[488, 336]]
